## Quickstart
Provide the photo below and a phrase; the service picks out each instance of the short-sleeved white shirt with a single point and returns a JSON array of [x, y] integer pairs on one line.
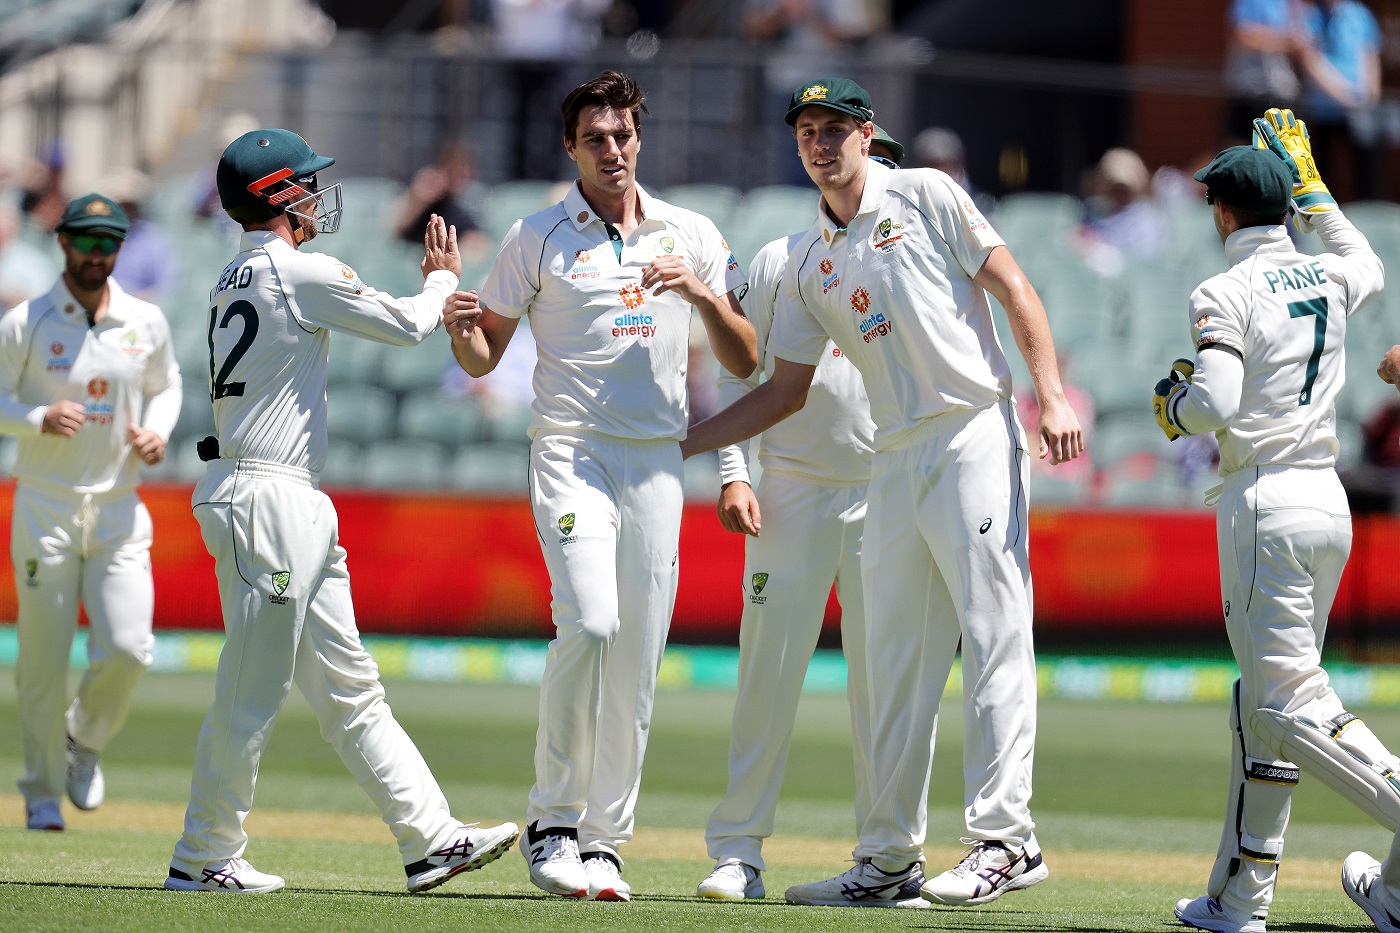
[[895, 291], [611, 355], [831, 438], [122, 370], [1285, 313]]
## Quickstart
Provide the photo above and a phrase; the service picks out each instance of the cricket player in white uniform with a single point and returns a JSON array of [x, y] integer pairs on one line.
[[283, 581], [895, 271], [609, 277], [1270, 362], [89, 384], [811, 507]]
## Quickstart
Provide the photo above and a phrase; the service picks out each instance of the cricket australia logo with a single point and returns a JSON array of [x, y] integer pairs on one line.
[[566, 528], [885, 238], [668, 244], [814, 92], [632, 296], [830, 279], [280, 579], [756, 586], [31, 572]]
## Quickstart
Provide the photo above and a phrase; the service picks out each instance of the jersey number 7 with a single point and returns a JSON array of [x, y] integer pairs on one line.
[[245, 310], [1318, 308]]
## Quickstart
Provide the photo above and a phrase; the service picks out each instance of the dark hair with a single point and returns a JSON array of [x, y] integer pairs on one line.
[[611, 89], [1247, 219]]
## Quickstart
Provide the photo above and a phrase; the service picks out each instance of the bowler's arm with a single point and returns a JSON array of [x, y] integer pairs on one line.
[[782, 395]]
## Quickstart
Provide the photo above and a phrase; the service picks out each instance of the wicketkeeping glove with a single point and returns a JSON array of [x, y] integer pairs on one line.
[[1166, 394], [1287, 137]]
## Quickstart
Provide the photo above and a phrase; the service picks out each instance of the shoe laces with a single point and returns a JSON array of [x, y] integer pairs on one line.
[[736, 870], [980, 853], [561, 847], [604, 864]]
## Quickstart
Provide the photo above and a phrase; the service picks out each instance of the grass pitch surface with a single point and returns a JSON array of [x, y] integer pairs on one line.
[[1129, 799]]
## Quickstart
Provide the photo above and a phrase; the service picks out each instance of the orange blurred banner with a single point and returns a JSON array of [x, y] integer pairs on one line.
[[460, 565]]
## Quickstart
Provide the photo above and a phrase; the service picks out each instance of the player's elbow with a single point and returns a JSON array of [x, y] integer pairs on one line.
[[791, 399]]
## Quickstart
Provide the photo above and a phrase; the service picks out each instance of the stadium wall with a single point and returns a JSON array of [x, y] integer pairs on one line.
[[470, 566]]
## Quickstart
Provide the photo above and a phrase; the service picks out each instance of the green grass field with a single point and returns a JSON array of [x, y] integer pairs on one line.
[[1128, 799]]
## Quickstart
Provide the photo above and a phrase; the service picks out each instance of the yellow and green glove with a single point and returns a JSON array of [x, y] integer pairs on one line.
[[1287, 137], [1167, 392]]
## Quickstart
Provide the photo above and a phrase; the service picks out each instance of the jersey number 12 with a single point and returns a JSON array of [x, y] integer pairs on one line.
[[240, 309]]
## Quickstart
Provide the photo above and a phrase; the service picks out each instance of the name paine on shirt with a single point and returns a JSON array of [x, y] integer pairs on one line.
[[1295, 277]]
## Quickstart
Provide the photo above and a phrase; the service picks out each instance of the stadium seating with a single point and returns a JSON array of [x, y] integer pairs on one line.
[[359, 414], [716, 202], [490, 468], [511, 201], [403, 463], [431, 416]]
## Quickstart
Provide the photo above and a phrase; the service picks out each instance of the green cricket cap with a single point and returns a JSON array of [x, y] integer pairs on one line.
[[93, 213], [253, 162], [841, 94], [895, 146], [1252, 180]]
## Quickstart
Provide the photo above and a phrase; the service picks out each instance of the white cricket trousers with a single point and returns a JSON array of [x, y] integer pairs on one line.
[[811, 537], [945, 558], [285, 592], [608, 513], [1283, 536], [69, 548]]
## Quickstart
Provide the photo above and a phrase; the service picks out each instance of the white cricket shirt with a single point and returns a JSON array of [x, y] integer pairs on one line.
[[1285, 313], [122, 370], [612, 355], [894, 290], [269, 337], [831, 438]]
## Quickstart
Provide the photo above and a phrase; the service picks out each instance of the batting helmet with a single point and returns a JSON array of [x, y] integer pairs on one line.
[[268, 171]]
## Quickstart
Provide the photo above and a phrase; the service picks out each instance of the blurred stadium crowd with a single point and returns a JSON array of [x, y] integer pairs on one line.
[[1114, 269]]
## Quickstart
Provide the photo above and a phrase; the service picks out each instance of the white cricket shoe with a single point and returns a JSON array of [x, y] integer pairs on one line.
[[605, 878], [1361, 879], [86, 786], [1206, 913], [233, 876], [732, 880], [552, 854], [863, 886], [43, 814], [470, 849], [987, 871]]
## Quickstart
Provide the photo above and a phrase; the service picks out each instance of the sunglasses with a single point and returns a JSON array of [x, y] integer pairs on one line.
[[90, 243], [885, 162]]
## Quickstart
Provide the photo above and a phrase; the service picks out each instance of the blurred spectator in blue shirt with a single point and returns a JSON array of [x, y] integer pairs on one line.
[[146, 265], [1267, 39], [1122, 222], [1342, 66]]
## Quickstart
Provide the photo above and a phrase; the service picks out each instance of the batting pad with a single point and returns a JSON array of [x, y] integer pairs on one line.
[[1371, 787]]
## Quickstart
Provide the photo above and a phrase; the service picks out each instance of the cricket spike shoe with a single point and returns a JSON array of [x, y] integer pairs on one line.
[[232, 876], [470, 849], [732, 880], [85, 784], [987, 871], [605, 878], [552, 854], [43, 815], [1361, 879], [863, 886], [1206, 913]]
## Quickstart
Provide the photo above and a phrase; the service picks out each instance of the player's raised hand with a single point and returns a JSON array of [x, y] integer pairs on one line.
[[672, 273], [1389, 370], [1287, 138], [738, 509], [1060, 436], [149, 445], [460, 314], [63, 418], [440, 248]]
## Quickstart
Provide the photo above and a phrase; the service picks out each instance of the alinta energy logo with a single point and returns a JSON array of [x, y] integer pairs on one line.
[[830, 279], [756, 586], [98, 411], [872, 326], [582, 268], [633, 325], [566, 528], [58, 363]]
